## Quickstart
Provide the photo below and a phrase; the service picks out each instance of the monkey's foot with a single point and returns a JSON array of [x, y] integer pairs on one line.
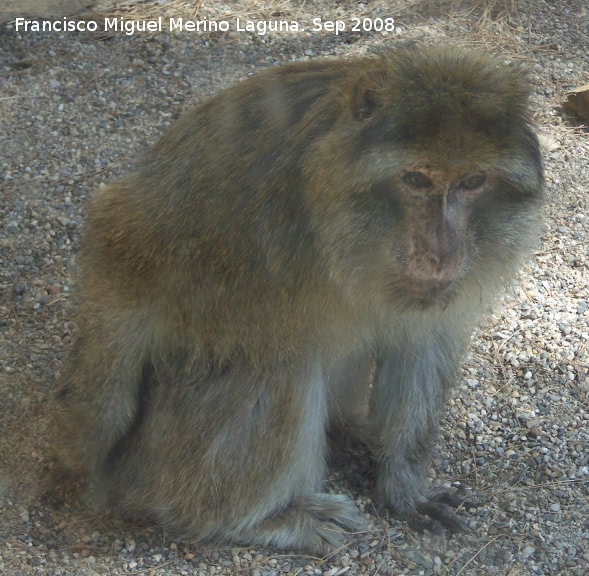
[[434, 513], [316, 523]]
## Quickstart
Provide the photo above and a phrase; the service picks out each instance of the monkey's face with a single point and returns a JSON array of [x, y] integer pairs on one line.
[[433, 250], [420, 235], [414, 225]]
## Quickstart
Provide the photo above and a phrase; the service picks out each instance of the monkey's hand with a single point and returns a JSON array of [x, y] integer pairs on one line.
[[402, 490], [433, 512]]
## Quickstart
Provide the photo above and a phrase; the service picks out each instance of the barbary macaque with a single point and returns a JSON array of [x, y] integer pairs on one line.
[[320, 226]]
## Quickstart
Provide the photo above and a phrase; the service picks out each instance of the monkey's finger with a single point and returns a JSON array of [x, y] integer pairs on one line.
[[332, 537], [336, 510], [442, 514], [454, 501], [421, 523]]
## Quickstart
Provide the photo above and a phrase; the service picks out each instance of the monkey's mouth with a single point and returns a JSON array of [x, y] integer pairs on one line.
[[425, 293], [431, 279]]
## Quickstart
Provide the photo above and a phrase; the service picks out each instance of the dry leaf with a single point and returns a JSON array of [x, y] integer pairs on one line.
[[578, 101]]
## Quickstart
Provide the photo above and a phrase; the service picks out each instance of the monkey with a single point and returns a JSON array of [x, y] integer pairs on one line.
[[309, 249]]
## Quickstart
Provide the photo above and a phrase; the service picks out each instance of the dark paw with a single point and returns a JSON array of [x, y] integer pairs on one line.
[[435, 514]]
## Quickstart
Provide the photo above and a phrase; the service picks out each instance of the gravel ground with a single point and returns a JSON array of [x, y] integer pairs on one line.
[[76, 109]]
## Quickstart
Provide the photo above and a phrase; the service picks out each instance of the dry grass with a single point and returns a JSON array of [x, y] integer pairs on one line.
[[195, 9], [494, 24]]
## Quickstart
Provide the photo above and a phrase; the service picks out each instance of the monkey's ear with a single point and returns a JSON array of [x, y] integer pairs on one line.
[[366, 105], [366, 98]]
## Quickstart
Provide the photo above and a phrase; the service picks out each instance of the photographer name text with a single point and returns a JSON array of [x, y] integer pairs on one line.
[[161, 24]]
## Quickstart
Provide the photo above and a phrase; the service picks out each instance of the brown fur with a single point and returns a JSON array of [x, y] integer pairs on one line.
[[236, 290]]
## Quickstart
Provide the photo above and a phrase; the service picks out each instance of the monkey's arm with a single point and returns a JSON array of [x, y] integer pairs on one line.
[[410, 389]]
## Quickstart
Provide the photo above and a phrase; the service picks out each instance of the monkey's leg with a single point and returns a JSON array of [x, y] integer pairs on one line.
[[98, 397], [349, 391], [232, 454], [409, 396]]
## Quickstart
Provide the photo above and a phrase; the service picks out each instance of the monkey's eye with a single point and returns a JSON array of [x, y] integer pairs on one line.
[[473, 182], [417, 180]]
